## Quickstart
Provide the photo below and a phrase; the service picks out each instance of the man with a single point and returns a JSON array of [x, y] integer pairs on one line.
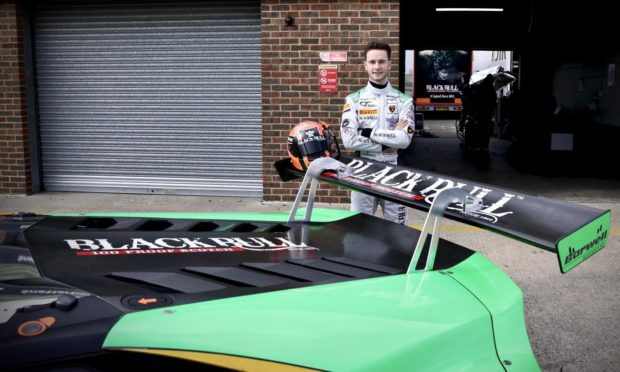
[[377, 120]]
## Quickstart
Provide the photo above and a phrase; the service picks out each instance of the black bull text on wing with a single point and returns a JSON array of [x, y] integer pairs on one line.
[[418, 186]]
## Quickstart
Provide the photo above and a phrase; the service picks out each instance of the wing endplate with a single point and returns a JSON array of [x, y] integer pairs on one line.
[[583, 243]]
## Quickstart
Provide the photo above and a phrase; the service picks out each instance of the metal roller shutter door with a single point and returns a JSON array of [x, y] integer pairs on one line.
[[150, 97]]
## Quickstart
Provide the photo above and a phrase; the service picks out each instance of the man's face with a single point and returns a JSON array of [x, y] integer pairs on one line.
[[377, 65]]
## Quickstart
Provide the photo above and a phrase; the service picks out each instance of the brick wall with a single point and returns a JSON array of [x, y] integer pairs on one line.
[[290, 60], [14, 145]]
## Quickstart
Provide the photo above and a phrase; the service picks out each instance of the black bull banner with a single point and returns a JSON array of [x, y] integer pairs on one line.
[[535, 220]]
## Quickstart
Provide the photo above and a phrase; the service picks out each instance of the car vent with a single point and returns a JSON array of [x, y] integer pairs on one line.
[[292, 271], [256, 275], [140, 224], [334, 268], [237, 276], [244, 227], [278, 228], [168, 280], [95, 223], [364, 265], [154, 225], [260, 227], [204, 226]]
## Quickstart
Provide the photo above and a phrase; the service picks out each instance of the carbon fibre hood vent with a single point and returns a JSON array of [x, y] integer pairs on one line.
[[188, 260], [160, 224]]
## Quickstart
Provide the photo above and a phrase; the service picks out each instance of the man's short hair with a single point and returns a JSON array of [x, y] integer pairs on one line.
[[378, 44]]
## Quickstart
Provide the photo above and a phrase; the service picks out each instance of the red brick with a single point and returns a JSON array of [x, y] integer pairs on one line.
[[290, 62], [15, 163]]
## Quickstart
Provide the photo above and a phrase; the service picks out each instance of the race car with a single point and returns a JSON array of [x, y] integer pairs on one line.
[[313, 289]]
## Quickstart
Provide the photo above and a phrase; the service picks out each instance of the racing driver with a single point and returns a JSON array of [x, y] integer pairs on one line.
[[377, 120]]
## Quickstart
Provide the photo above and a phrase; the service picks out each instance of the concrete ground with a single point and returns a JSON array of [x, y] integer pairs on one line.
[[573, 319]]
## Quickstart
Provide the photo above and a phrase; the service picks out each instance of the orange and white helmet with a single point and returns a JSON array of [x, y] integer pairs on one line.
[[309, 140]]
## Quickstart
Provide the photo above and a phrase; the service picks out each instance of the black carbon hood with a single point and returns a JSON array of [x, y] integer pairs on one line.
[[140, 263]]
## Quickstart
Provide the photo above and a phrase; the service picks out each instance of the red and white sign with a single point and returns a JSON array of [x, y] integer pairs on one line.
[[333, 56], [328, 78]]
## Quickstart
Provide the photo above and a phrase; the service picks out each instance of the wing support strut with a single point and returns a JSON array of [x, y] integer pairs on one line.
[[435, 214], [313, 173]]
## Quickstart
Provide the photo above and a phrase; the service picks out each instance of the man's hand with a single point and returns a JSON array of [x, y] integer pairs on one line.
[[402, 124]]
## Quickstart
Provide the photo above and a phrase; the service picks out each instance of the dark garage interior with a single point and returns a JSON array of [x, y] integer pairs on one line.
[[564, 60]]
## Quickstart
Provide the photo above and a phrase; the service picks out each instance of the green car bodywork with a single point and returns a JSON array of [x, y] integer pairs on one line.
[[469, 317]]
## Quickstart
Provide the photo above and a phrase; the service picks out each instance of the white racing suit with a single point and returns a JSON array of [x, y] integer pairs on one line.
[[369, 120]]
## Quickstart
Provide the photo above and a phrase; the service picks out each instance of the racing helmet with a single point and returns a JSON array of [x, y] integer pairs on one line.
[[309, 140]]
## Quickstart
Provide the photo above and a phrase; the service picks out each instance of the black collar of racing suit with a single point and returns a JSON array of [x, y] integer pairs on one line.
[[378, 86]]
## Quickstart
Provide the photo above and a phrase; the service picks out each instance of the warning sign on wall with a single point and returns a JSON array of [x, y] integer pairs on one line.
[[333, 56], [328, 78]]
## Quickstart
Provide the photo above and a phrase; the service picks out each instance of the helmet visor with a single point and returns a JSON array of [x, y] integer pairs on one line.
[[317, 145], [311, 142]]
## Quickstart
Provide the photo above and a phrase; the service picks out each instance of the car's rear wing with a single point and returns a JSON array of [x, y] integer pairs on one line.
[[574, 232]]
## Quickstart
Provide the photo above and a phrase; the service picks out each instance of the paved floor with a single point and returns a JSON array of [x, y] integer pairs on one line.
[[573, 319]]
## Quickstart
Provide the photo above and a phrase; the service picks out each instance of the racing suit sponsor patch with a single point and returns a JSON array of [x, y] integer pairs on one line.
[[385, 135], [346, 107], [391, 119], [368, 113]]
